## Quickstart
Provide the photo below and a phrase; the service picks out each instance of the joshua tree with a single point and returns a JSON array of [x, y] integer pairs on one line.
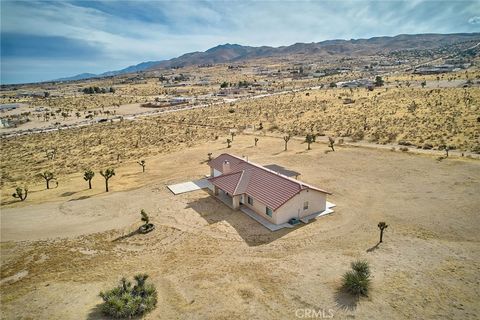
[[142, 163], [20, 193], [47, 175], [286, 139], [256, 141], [309, 139], [233, 135], [382, 226], [424, 83], [88, 176], [331, 142], [446, 151], [145, 217], [228, 143], [107, 174], [378, 81]]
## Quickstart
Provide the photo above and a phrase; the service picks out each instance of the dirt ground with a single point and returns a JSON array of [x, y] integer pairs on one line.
[[62, 246]]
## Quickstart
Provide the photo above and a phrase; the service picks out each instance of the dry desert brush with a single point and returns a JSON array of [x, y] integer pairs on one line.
[[125, 301], [357, 280]]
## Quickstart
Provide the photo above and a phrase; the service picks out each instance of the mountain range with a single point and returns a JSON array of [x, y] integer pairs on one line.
[[229, 53]]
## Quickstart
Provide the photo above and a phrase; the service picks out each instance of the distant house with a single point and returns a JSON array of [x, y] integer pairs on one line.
[[269, 194]]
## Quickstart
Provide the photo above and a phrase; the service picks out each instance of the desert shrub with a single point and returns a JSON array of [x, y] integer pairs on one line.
[[361, 266], [427, 146], [403, 149], [124, 301], [404, 143], [357, 280]]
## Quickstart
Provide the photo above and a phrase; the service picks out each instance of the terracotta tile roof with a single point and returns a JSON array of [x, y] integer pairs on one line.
[[267, 186]]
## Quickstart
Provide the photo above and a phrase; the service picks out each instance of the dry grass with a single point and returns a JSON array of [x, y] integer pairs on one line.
[[202, 254]]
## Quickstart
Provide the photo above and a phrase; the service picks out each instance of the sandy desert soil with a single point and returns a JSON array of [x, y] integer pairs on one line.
[[209, 262]]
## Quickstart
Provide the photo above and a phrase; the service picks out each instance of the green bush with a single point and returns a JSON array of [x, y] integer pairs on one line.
[[357, 281], [361, 267], [125, 301]]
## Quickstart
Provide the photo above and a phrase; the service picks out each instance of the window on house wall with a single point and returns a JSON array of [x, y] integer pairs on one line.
[[268, 211], [250, 200], [305, 205]]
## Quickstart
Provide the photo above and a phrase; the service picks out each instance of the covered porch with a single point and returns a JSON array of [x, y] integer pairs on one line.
[[231, 201]]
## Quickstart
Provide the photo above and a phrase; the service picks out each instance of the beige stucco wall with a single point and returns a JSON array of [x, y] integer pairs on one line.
[[259, 208], [293, 208]]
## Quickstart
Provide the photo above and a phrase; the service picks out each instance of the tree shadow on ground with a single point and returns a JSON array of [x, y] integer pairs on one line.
[[375, 247], [345, 300], [96, 313], [131, 234], [68, 193], [252, 232], [80, 198]]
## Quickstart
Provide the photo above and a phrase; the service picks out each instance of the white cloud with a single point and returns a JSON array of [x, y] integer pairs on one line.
[[474, 20]]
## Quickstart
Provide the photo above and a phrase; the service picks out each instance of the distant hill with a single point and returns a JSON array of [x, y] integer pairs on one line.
[[131, 69], [229, 53]]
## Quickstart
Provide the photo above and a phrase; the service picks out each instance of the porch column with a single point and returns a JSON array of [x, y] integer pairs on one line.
[[236, 202], [215, 190]]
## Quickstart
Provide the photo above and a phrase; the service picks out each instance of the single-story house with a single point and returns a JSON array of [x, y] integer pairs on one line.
[[273, 196]]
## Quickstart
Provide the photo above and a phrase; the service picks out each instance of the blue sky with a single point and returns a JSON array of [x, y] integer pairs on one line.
[[43, 40]]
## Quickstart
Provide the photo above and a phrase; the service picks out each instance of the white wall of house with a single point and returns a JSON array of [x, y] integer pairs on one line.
[[259, 208], [214, 172], [293, 208]]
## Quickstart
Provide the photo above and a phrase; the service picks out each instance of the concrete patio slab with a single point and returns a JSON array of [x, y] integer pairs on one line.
[[267, 224], [189, 186], [274, 227]]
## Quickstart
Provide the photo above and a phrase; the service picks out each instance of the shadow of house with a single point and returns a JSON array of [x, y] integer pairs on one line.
[[213, 210]]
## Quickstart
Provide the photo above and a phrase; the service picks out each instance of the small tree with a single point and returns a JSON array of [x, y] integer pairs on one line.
[[107, 174], [142, 163], [209, 156], [382, 226], [145, 217], [331, 142], [233, 135], [424, 83], [378, 81], [20, 193], [88, 176], [446, 151], [228, 143], [48, 176], [309, 139], [256, 141], [147, 226], [286, 139]]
